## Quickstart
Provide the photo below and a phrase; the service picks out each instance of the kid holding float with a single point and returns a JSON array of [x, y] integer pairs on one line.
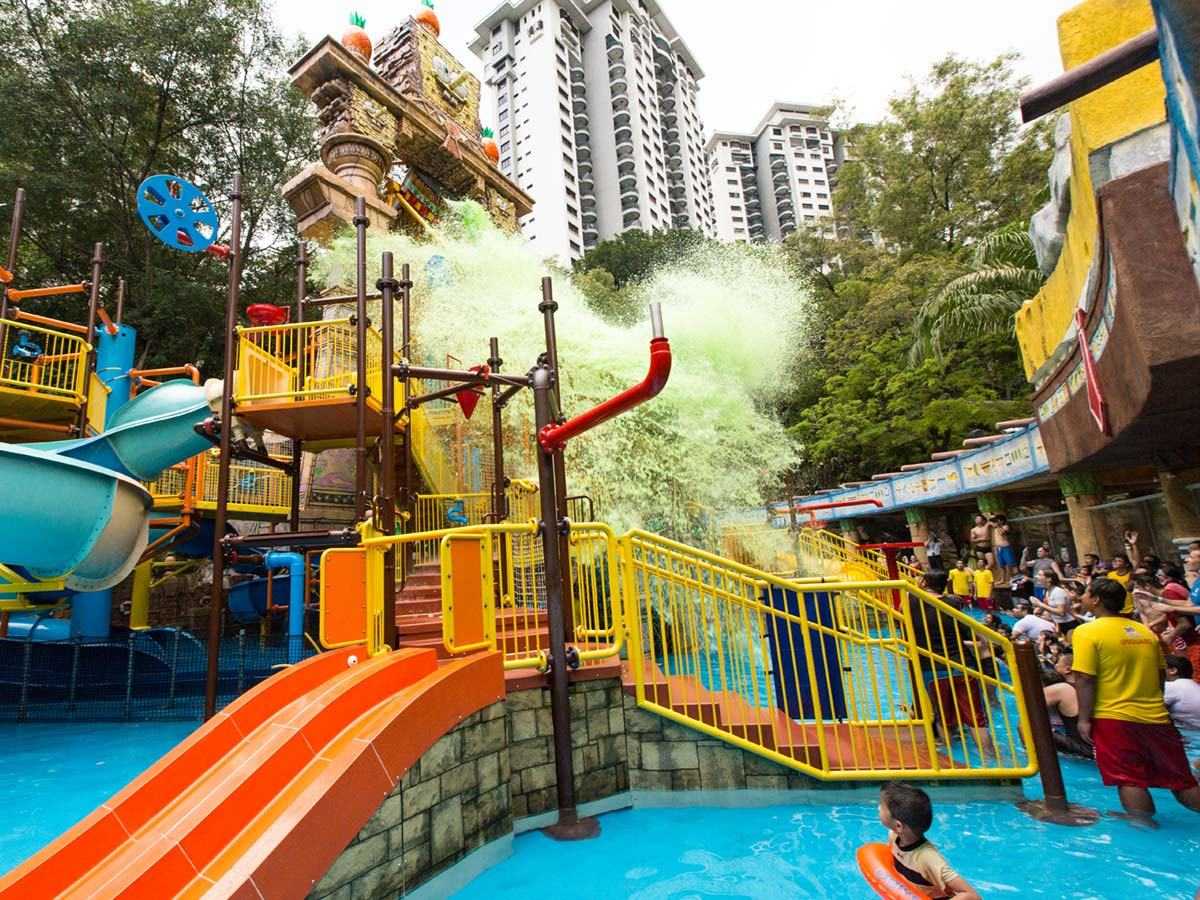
[[907, 813]]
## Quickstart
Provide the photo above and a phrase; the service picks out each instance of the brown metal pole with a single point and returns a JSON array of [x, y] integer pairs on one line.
[[406, 349], [569, 826], [499, 495], [14, 242], [1055, 807], [1091, 76], [120, 301], [218, 588], [93, 306], [360, 393], [548, 307], [387, 460], [297, 444]]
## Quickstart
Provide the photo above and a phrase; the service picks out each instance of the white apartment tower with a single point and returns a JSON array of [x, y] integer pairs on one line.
[[777, 179], [596, 119]]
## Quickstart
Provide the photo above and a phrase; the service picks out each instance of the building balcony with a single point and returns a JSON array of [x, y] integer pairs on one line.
[[671, 133], [677, 190], [632, 219], [669, 118], [781, 178], [614, 48], [587, 201], [579, 104], [673, 147], [582, 136], [583, 151], [578, 75], [681, 221], [625, 150], [628, 180], [616, 69], [623, 133], [581, 119], [619, 86], [630, 200], [579, 89], [588, 217], [625, 166]]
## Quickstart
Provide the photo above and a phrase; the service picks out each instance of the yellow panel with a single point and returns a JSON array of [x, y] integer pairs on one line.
[[1110, 114]]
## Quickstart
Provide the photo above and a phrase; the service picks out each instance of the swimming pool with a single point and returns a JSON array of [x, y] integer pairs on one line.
[[808, 851], [54, 774]]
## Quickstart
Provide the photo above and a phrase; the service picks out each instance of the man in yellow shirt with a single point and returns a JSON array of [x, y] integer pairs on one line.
[[1122, 573], [1120, 672], [961, 580], [984, 579]]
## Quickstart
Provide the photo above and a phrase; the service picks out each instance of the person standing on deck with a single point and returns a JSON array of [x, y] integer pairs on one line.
[[981, 540], [1006, 557], [1120, 672]]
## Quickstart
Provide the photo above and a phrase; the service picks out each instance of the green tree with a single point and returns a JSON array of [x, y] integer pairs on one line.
[[915, 207], [1004, 275], [950, 164], [99, 94]]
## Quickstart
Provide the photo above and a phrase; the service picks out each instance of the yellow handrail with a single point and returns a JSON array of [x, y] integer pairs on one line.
[[832, 679], [827, 679], [57, 371]]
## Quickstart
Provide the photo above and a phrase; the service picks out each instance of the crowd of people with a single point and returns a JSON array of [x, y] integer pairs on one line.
[[1118, 644]]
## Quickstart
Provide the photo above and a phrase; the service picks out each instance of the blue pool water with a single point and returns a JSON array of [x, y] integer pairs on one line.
[[54, 774], [808, 851]]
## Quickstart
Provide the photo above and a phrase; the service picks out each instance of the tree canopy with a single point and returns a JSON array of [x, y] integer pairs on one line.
[[915, 205], [99, 94]]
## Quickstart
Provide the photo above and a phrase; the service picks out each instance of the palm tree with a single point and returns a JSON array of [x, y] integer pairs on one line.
[[984, 301]]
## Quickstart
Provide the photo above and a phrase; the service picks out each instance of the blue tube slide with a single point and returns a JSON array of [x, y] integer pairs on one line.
[[294, 563], [76, 509]]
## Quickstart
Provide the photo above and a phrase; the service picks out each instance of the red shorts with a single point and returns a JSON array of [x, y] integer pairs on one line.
[[1134, 754], [959, 702]]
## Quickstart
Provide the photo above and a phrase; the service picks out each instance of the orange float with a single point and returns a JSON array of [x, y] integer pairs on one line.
[[490, 148], [356, 39], [879, 868], [428, 17]]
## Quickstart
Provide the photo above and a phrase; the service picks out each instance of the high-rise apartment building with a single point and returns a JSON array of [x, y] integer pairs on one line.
[[779, 178], [596, 119]]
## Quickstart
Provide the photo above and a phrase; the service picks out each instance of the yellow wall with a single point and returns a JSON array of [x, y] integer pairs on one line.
[[1110, 114]]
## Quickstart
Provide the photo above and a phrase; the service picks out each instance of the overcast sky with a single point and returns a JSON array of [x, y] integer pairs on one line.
[[857, 51]]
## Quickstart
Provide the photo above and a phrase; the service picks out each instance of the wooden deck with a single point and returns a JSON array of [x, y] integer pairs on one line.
[[329, 421]]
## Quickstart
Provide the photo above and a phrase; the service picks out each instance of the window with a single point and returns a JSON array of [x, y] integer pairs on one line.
[[506, 163], [506, 147]]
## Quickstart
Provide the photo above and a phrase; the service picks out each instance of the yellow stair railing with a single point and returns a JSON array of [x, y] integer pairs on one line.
[[830, 679], [839, 680], [831, 549]]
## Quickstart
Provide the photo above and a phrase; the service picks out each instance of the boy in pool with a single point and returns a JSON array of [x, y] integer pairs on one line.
[[907, 813]]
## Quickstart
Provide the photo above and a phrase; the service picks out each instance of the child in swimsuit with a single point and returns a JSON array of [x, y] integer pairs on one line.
[[907, 812]]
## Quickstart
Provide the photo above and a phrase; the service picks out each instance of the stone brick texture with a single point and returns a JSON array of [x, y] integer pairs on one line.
[[597, 739], [452, 801]]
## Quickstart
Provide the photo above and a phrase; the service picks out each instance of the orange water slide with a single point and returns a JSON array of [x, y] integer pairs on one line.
[[260, 800]]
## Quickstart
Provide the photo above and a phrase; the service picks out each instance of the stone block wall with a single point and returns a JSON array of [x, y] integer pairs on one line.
[[452, 801], [597, 736], [666, 756]]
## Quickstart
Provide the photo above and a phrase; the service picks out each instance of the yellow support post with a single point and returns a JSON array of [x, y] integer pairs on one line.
[[139, 610]]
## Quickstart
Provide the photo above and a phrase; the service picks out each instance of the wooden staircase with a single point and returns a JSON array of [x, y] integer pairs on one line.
[[849, 747], [419, 618]]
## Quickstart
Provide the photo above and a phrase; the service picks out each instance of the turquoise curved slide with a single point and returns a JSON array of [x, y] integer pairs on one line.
[[76, 508]]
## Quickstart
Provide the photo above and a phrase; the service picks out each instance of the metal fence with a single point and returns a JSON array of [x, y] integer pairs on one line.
[[157, 673]]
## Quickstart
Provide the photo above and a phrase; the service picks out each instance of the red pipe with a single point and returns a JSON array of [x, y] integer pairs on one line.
[[840, 504], [555, 437]]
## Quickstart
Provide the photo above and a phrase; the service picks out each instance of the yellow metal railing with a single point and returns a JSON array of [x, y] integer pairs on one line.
[[829, 679], [57, 369], [517, 624], [438, 512], [254, 489], [304, 361], [853, 561], [760, 546]]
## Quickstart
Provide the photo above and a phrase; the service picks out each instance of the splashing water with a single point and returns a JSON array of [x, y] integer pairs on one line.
[[705, 443]]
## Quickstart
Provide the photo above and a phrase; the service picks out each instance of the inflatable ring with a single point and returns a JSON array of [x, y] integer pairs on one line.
[[177, 213], [879, 868]]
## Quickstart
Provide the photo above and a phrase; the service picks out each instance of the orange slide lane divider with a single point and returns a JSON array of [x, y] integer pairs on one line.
[[293, 755]]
